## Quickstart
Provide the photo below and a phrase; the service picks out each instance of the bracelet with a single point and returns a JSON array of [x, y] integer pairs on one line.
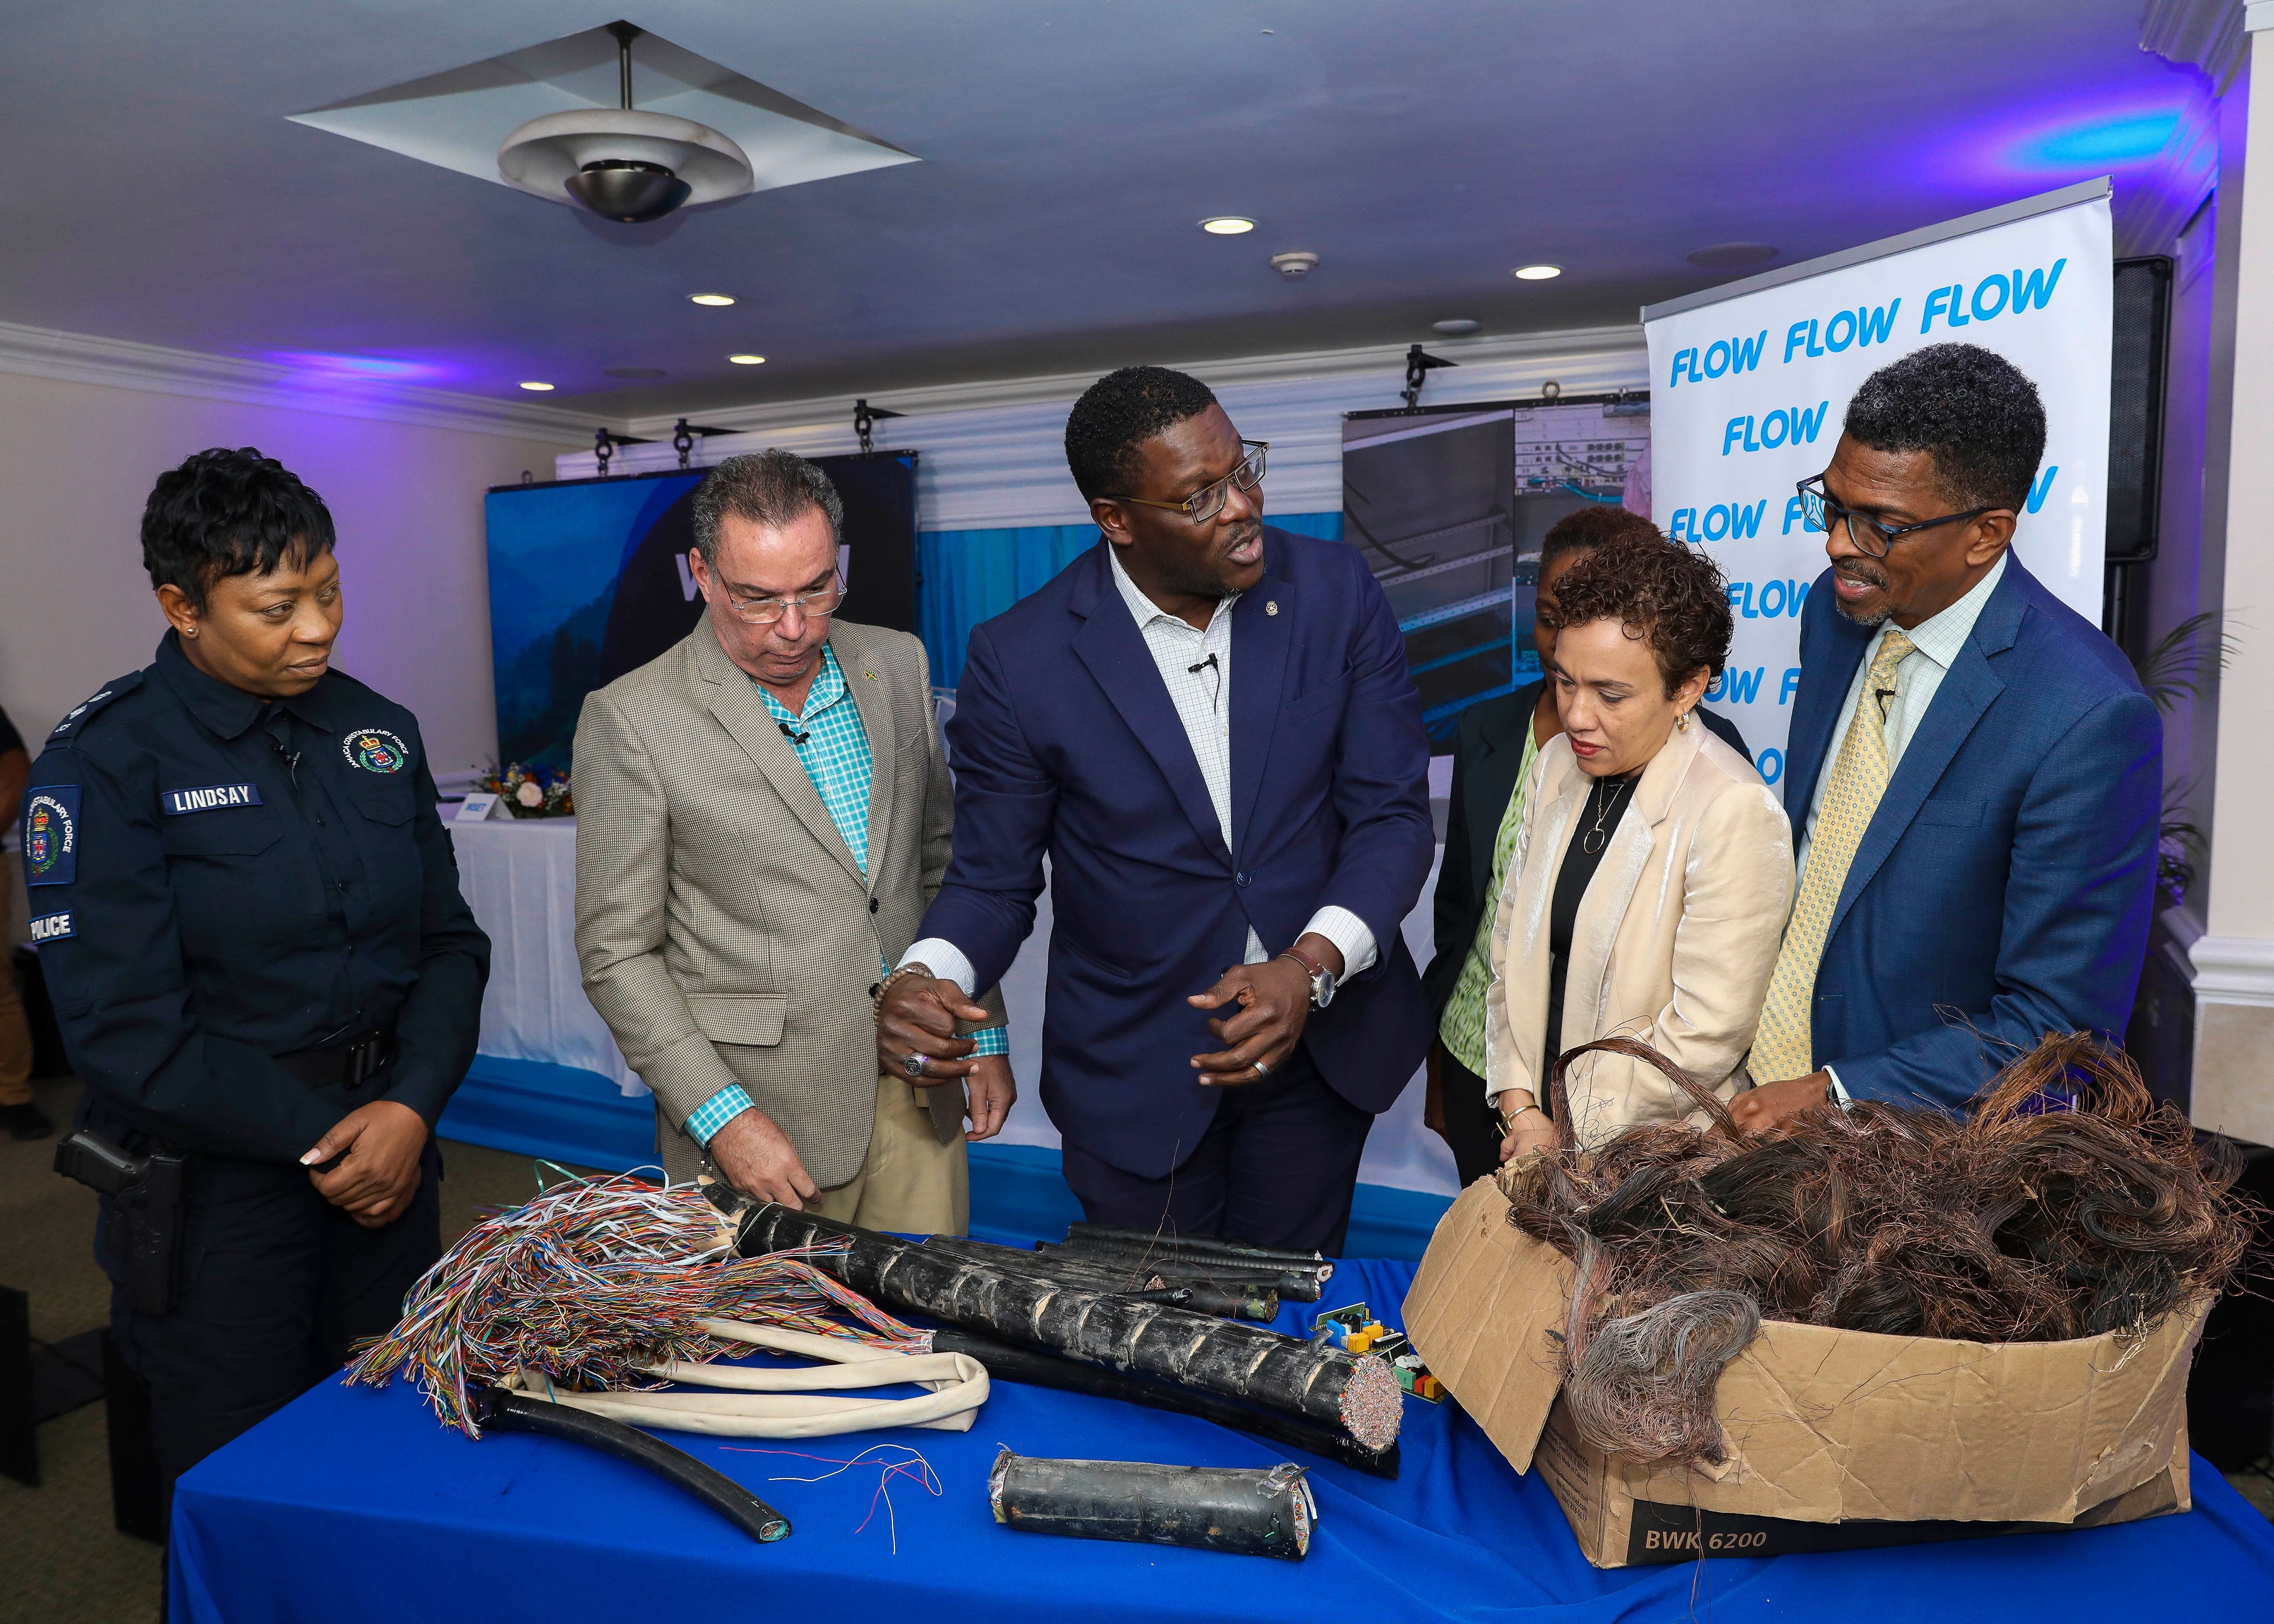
[[1512, 1116], [877, 1004]]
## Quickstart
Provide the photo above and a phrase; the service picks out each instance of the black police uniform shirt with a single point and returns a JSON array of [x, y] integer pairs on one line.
[[217, 880]]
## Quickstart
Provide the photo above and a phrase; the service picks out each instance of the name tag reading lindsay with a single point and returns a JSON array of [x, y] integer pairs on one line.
[[208, 798]]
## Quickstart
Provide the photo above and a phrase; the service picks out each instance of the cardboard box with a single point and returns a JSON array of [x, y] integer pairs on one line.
[[1838, 1439]]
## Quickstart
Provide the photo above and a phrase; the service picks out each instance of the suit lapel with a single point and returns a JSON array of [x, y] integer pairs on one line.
[[1110, 644], [733, 698], [1259, 639], [1967, 692], [874, 701]]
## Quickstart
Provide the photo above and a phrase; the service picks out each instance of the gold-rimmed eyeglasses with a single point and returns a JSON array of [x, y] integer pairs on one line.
[[1205, 503], [767, 610]]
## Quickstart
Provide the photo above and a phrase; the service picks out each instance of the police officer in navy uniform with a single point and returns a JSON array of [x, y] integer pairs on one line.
[[248, 914]]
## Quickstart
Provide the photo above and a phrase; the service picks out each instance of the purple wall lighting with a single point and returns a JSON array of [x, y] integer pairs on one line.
[[354, 368], [2079, 147]]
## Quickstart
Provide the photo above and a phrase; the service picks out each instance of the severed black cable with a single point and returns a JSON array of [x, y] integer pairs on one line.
[[494, 1407]]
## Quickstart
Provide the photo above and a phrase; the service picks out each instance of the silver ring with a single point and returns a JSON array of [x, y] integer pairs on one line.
[[1262, 1069], [916, 1065]]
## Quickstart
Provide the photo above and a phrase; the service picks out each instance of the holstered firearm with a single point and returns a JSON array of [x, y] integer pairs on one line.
[[146, 1210]]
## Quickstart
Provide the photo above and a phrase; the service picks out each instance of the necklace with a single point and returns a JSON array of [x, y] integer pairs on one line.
[[1597, 837]]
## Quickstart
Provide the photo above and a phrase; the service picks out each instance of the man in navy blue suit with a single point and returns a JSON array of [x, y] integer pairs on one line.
[[1209, 727], [1973, 772]]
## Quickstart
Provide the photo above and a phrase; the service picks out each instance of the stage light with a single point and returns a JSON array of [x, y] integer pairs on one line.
[[541, 388], [1227, 225], [747, 360], [1536, 272], [710, 298]]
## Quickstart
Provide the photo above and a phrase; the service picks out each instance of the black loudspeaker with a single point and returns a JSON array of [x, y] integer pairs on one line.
[[2139, 354], [2231, 1389]]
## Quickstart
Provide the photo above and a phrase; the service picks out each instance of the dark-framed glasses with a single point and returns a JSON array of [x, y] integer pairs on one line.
[[1871, 538], [767, 610], [1205, 503]]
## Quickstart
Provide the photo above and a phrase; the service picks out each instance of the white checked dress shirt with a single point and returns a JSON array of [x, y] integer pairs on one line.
[[1204, 701]]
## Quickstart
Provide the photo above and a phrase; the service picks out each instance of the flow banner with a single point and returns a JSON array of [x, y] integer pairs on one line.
[[1751, 383]]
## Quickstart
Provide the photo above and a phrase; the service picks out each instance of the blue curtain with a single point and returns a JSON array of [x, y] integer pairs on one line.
[[967, 576]]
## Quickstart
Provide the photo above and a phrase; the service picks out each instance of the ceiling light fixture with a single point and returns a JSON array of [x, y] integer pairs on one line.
[[1227, 225], [622, 164], [541, 388], [1459, 326], [1536, 272], [719, 299], [747, 360]]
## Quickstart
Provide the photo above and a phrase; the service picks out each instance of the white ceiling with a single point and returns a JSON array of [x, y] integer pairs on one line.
[[158, 190]]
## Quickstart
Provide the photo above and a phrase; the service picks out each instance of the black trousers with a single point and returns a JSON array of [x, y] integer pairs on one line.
[[1471, 1127], [275, 1284], [1275, 1167]]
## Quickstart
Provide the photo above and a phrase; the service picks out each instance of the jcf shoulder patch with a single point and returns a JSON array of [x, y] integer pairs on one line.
[[374, 750], [51, 927], [208, 797], [51, 835]]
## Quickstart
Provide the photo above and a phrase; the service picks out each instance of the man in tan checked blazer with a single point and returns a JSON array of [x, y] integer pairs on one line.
[[763, 815]]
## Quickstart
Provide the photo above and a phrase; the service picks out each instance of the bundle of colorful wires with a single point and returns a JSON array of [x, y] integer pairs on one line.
[[594, 1283]]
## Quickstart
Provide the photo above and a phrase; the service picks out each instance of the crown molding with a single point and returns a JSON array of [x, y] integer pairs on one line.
[[993, 455], [121, 364], [1582, 359]]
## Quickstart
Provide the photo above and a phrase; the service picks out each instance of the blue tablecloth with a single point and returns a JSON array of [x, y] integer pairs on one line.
[[354, 1505]]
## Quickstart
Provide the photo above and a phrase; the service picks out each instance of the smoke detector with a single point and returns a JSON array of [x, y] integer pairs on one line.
[[1294, 267], [621, 164]]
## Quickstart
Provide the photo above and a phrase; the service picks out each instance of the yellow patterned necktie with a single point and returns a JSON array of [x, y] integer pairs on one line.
[[1784, 1046]]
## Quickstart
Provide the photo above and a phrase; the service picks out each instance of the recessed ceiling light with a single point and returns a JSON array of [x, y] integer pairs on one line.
[[1458, 327], [1227, 225], [1728, 256], [540, 387], [635, 371], [1536, 272], [710, 298], [747, 360]]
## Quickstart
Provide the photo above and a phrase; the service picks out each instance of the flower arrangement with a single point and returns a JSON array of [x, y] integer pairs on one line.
[[530, 792]]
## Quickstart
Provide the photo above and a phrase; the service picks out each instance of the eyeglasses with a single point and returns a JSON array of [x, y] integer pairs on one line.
[[1205, 503], [767, 610], [1872, 538]]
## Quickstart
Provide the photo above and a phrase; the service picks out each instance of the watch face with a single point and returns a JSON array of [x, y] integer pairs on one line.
[[1322, 989]]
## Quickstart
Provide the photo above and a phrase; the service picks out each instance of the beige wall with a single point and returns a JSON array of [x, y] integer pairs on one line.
[[77, 461]]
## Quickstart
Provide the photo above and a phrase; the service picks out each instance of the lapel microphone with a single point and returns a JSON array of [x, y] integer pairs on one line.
[[793, 738], [1216, 689]]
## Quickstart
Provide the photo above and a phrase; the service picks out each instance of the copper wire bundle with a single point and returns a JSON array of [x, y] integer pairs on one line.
[[594, 1283], [2068, 1204]]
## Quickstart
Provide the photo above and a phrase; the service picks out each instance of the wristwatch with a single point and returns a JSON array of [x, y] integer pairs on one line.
[[1322, 980]]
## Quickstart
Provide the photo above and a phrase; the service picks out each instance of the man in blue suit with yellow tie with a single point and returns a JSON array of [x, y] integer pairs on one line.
[[1209, 727], [1973, 774]]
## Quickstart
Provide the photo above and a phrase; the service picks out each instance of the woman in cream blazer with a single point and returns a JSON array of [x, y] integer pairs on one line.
[[1672, 940]]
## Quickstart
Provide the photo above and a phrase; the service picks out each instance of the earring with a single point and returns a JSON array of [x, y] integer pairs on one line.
[[1682, 720]]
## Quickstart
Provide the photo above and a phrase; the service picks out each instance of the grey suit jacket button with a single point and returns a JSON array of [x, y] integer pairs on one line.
[[872, 904]]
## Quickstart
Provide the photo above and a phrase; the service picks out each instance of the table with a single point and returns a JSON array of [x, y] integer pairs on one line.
[[353, 1505]]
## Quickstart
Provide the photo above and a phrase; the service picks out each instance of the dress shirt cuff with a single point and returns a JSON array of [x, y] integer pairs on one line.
[[991, 1041], [1838, 1092], [945, 960], [716, 1112], [1347, 931]]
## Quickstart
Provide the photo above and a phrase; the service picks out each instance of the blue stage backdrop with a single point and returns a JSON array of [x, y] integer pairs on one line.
[[588, 579]]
